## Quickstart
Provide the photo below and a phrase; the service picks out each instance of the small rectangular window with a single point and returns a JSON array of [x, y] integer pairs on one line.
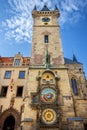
[[19, 91], [17, 62], [7, 75], [22, 74], [4, 91], [46, 39]]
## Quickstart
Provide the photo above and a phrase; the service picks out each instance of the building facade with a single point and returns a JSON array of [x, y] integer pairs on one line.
[[45, 91]]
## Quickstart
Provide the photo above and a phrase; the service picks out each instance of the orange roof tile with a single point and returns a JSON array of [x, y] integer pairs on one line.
[[6, 59], [11, 59]]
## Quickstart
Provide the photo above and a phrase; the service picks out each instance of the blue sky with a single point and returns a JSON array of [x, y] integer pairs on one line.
[[16, 26]]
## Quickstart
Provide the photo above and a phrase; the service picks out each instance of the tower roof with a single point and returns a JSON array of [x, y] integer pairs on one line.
[[45, 8], [70, 61]]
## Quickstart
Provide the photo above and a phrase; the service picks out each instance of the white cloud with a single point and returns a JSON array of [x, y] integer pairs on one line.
[[69, 6], [71, 10], [19, 26]]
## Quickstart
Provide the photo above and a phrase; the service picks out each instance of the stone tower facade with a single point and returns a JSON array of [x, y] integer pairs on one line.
[[46, 36], [45, 91]]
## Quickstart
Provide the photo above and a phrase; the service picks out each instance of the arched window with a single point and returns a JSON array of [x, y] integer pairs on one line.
[[74, 86]]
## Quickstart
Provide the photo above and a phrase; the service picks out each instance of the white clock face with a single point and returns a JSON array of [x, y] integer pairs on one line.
[[49, 116], [48, 95]]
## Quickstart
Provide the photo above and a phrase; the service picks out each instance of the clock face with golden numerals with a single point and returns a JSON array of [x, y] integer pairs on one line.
[[48, 95], [49, 116]]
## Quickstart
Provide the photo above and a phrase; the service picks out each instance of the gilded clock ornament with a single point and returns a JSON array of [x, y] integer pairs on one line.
[[49, 116], [48, 95]]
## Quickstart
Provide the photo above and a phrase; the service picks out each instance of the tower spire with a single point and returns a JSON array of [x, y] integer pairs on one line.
[[45, 8], [35, 8], [74, 58], [56, 8]]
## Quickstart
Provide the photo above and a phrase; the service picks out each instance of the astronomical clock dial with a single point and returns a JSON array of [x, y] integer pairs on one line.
[[49, 116], [48, 95]]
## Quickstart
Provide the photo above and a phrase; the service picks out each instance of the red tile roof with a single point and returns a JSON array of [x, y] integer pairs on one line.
[[6, 59], [11, 59]]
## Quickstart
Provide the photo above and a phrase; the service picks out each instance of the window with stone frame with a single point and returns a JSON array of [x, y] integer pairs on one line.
[[7, 75], [19, 91], [21, 74], [4, 91], [74, 86]]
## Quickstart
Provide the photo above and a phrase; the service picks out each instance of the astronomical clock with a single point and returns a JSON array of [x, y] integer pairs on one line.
[[46, 100]]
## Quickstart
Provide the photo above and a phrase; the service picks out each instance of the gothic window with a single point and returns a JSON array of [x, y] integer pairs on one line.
[[19, 91], [46, 39], [7, 75], [17, 62], [4, 91], [74, 86], [22, 74]]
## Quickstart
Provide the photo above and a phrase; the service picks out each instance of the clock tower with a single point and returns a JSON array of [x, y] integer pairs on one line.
[[46, 37], [51, 85], [47, 70]]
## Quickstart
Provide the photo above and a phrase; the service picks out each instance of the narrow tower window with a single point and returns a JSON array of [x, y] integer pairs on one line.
[[46, 39], [74, 86]]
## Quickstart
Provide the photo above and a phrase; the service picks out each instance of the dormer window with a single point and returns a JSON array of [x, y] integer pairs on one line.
[[17, 62]]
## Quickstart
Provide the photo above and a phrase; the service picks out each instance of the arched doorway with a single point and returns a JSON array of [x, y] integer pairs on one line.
[[10, 117], [85, 126], [9, 123]]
